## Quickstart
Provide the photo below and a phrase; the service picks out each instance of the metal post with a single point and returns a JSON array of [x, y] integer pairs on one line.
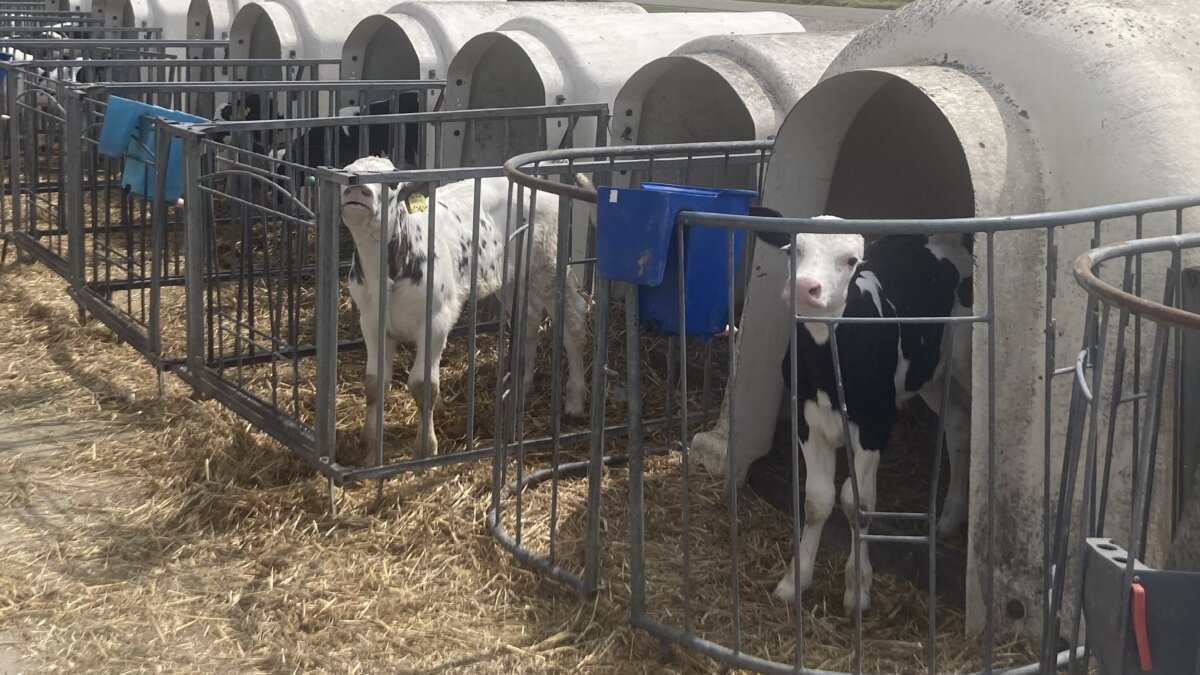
[[194, 230], [1189, 395], [326, 318], [71, 202], [159, 242], [14, 147]]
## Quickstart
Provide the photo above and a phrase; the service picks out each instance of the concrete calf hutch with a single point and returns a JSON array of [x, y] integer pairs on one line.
[[210, 19], [721, 88], [980, 109], [547, 61], [306, 29], [69, 5], [170, 15], [417, 40]]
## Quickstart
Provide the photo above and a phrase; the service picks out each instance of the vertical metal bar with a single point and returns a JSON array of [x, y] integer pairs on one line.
[[684, 472], [1189, 392], [72, 175], [1066, 498], [1051, 336], [500, 427], [162, 143], [1118, 388], [15, 160], [596, 465], [990, 591], [939, 447], [1145, 470], [194, 231], [516, 318], [1087, 524], [473, 311], [427, 366], [794, 412], [856, 523], [326, 319], [382, 287], [1179, 485], [562, 261], [1169, 296], [637, 508], [731, 455]]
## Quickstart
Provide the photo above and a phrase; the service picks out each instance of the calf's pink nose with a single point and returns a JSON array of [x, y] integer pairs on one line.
[[356, 191], [807, 289]]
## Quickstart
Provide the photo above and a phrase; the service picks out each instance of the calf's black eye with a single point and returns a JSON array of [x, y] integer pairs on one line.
[[852, 261]]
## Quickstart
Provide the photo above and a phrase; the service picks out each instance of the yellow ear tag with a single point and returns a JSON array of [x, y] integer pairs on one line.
[[417, 203]]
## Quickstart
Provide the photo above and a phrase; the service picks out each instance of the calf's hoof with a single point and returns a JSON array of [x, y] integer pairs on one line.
[[707, 451], [948, 527], [849, 601], [786, 590], [417, 445], [575, 407]]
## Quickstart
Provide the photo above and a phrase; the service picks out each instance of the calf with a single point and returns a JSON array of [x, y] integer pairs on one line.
[[249, 109], [408, 276], [882, 367], [309, 148]]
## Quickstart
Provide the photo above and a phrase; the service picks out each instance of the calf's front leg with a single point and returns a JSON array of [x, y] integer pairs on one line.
[[426, 439], [379, 366], [819, 465]]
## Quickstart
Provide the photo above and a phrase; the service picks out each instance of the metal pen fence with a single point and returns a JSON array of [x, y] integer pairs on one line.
[[1149, 395], [538, 513], [34, 120], [33, 8], [699, 552], [269, 333], [12, 21], [131, 241]]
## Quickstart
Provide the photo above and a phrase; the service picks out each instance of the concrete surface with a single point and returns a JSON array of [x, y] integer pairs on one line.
[[814, 17]]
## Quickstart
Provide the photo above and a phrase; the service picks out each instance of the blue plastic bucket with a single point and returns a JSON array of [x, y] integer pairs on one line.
[[636, 242], [128, 132], [4, 71]]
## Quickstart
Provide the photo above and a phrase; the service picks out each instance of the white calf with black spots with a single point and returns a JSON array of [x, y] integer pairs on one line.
[[408, 275], [882, 367]]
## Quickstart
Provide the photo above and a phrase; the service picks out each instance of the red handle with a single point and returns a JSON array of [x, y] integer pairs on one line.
[[1139, 626]]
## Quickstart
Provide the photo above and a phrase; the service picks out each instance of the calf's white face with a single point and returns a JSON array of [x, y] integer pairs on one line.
[[825, 264], [361, 203]]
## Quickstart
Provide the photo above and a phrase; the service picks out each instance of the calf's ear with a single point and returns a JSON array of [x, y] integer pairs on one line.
[[415, 188], [773, 238]]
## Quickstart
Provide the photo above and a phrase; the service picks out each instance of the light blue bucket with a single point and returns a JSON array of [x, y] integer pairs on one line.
[[128, 132]]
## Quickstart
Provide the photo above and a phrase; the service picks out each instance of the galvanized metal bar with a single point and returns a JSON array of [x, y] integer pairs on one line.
[[598, 435], [71, 199], [1189, 393], [1085, 264], [637, 466], [326, 319]]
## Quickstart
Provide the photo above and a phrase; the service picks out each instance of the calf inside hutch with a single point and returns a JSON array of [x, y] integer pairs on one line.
[[683, 518]]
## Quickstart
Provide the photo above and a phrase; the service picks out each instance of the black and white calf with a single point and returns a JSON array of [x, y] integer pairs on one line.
[[408, 276], [249, 109], [882, 367], [312, 147]]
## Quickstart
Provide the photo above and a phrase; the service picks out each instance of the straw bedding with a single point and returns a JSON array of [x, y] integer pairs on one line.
[[169, 536]]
